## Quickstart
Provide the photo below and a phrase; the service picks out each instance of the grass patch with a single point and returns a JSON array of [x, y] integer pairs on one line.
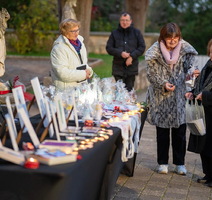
[[104, 69]]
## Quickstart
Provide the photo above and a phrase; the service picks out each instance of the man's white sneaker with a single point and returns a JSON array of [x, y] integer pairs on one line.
[[163, 169], [181, 169]]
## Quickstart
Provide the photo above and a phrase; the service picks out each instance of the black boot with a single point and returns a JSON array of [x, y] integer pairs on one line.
[[202, 180]]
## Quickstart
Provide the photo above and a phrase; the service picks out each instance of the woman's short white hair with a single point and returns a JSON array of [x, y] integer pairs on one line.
[[68, 24]]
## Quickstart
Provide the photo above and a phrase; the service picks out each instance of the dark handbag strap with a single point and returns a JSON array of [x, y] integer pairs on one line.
[[80, 58]]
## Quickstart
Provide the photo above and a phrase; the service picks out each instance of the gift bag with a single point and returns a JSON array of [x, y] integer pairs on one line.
[[195, 117]]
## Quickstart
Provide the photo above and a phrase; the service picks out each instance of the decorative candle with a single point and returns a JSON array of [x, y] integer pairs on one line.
[[110, 132], [31, 163], [82, 147], [104, 136], [94, 140], [76, 149], [101, 132], [101, 138]]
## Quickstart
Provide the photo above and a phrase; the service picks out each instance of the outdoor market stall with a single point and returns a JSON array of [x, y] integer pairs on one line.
[[93, 175]]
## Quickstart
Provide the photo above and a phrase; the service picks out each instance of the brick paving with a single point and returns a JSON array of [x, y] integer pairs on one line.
[[146, 184]]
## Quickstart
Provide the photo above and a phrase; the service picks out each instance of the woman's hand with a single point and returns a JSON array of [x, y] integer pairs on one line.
[[169, 87], [196, 73], [87, 73], [189, 95], [199, 96]]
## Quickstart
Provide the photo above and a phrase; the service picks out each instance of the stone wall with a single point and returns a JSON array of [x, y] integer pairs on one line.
[[98, 41], [96, 44], [141, 82]]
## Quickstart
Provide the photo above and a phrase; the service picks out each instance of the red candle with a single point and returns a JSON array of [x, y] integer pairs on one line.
[[31, 163]]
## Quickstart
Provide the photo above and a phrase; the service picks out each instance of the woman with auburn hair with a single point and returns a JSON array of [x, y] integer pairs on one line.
[[169, 61]]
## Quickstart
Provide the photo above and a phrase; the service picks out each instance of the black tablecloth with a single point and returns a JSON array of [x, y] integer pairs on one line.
[[91, 178], [84, 179]]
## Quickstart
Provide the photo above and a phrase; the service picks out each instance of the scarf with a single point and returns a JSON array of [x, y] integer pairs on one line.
[[76, 44], [171, 57]]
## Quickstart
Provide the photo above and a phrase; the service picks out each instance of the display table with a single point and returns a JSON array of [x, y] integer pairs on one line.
[[91, 178], [80, 180]]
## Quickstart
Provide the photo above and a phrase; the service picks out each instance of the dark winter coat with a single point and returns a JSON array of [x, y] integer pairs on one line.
[[202, 144], [207, 103], [129, 40]]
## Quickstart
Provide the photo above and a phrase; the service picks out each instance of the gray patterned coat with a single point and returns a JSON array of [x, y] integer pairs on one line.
[[167, 109]]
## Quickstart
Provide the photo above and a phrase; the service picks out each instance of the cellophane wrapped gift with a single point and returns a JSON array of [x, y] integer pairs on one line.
[[108, 90], [122, 94]]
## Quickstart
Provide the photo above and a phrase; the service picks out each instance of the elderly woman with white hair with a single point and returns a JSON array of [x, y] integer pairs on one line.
[[67, 55]]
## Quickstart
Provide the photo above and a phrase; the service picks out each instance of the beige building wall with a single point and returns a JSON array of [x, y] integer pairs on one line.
[[98, 41]]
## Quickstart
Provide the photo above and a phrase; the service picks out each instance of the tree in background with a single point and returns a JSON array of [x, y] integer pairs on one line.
[[32, 21], [83, 13], [138, 11], [105, 14], [193, 16], [109, 12]]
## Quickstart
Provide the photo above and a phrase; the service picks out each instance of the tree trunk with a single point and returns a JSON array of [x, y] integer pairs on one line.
[[83, 14], [138, 10]]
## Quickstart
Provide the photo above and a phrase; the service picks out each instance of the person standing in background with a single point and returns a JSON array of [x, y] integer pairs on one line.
[[125, 44], [67, 55], [169, 62]]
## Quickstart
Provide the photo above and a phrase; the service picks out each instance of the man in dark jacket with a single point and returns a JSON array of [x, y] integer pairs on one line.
[[125, 44]]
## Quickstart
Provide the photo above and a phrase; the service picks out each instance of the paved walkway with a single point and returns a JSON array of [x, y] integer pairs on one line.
[[26, 68], [146, 184]]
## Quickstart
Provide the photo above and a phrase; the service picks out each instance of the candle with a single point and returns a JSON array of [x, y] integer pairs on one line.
[[141, 110], [75, 153], [89, 145], [103, 124], [82, 147], [76, 149], [31, 163], [101, 138], [82, 142], [104, 136], [110, 132], [101, 132], [94, 140]]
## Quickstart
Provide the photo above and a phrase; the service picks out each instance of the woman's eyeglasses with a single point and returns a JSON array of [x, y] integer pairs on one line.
[[74, 31], [175, 39], [125, 20]]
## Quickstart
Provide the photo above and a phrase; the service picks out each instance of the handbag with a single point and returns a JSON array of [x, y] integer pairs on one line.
[[195, 117]]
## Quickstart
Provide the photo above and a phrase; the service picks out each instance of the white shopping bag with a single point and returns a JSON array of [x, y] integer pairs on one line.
[[195, 118]]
